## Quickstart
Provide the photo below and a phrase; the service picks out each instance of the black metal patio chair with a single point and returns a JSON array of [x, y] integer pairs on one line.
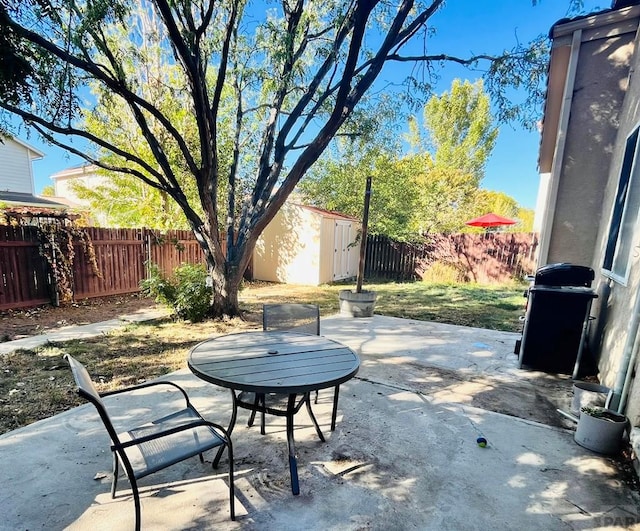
[[294, 317], [156, 444]]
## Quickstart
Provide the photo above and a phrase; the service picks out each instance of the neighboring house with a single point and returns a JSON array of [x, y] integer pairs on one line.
[[64, 192], [590, 182], [16, 175], [85, 174], [307, 245]]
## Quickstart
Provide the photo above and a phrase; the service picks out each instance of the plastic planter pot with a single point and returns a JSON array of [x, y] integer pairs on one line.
[[587, 394], [600, 429], [356, 304]]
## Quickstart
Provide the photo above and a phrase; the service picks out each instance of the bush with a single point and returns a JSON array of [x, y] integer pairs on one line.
[[442, 273], [186, 293]]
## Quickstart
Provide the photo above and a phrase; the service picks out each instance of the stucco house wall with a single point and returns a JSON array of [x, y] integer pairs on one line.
[[299, 247], [617, 309], [588, 72], [592, 108]]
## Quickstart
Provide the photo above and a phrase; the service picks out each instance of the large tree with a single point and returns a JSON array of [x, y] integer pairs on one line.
[[431, 189], [266, 88]]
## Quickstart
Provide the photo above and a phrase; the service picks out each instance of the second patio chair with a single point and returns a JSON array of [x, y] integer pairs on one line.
[[294, 317], [156, 444]]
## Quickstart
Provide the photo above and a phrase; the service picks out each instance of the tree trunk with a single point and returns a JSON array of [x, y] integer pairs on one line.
[[224, 297], [224, 277]]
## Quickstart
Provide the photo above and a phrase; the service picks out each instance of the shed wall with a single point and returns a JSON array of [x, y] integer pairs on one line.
[[289, 248]]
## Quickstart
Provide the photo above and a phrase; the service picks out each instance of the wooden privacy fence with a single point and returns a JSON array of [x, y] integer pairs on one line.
[[24, 274], [25, 278], [484, 258]]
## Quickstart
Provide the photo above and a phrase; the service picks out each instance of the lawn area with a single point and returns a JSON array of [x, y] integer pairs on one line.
[[492, 307], [37, 384]]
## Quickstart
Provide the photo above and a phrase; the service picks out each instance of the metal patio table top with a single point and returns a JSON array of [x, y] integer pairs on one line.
[[286, 363]]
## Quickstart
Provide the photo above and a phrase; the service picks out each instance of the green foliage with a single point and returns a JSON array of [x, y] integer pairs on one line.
[[460, 128], [223, 107], [432, 189], [48, 191], [442, 273], [486, 201], [338, 183], [119, 201], [186, 292]]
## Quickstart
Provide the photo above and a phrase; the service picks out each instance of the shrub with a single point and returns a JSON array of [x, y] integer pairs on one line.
[[442, 273], [186, 292]]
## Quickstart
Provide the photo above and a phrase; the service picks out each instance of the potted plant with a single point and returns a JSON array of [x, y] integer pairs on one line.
[[600, 429], [360, 303]]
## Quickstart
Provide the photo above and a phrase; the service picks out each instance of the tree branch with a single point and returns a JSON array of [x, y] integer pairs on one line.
[[99, 74], [36, 120]]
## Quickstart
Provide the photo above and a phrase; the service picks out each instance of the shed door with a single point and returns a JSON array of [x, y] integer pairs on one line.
[[342, 250]]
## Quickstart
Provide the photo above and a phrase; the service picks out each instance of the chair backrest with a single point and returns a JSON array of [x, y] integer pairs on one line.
[[291, 316], [88, 391]]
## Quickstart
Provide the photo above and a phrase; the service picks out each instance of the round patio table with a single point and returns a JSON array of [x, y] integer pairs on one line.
[[275, 362]]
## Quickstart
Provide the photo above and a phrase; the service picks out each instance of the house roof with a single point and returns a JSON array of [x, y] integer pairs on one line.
[[611, 13], [74, 171], [23, 199]]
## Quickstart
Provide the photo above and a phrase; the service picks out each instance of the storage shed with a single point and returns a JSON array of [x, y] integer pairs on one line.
[[307, 245]]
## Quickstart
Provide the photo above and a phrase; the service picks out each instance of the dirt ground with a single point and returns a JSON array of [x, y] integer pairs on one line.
[[16, 324]]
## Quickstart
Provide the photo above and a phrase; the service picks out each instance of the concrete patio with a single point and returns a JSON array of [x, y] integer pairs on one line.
[[403, 456]]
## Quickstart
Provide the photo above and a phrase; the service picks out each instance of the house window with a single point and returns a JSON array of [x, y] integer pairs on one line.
[[625, 214]]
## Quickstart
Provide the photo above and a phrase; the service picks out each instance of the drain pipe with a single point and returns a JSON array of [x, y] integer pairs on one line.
[[629, 354]]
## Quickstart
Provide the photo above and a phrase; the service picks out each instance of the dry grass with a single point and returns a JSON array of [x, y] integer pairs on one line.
[[37, 384]]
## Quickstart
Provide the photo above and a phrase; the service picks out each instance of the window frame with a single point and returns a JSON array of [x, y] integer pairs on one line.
[[622, 229]]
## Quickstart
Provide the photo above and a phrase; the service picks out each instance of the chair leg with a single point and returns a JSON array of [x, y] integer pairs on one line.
[[335, 407], [232, 423], [134, 489], [316, 400], [136, 501], [114, 480], [307, 400]]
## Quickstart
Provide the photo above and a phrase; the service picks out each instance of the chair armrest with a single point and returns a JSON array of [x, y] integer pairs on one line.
[[142, 386], [177, 429]]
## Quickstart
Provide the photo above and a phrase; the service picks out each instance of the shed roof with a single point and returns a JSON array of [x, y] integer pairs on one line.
[[327, 213]]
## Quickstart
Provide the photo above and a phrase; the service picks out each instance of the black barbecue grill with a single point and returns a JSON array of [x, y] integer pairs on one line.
[[557, 315]]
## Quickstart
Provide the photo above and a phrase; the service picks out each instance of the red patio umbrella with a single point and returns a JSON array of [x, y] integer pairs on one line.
[[490, 220]]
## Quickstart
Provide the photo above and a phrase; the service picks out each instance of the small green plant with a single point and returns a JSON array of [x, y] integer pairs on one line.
[[186, 292], [596, 412], [602, 413]]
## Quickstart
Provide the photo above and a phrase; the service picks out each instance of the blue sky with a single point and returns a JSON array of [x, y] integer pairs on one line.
[[464, 27]]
